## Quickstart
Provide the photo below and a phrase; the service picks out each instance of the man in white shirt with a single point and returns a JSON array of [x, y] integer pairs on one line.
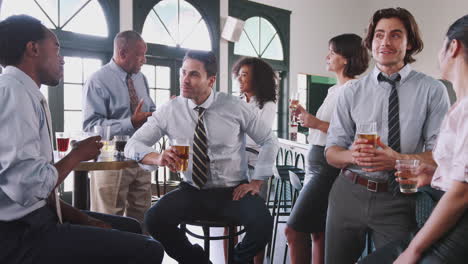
[[215, 184], [31, 228]]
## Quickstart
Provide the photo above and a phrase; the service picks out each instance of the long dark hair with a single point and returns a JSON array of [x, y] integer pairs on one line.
[[263, 79], [351, 48], [414, 37], [459, 31]]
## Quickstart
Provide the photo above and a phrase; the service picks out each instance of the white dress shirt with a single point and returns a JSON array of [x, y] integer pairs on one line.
[[27, 176], [324, 113], [227, 120], [267, 115]]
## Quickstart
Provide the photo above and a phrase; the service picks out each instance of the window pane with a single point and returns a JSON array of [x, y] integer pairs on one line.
[[15, 7], [72, 121], [244, 47], [45, 91], [72, 96], [90, 66], [199, 39], [68, 8], [73, 70], [267, 32], [235, 86], [163, 77], [81, 23], [167, 11], [275, 50], [189, 18], [154, 32], [251, 28], [162, 96], [149, 72], [50, 8]]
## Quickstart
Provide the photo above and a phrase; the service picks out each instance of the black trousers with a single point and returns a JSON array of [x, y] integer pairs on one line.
[[38, 238], [188, 203], [451, 248]]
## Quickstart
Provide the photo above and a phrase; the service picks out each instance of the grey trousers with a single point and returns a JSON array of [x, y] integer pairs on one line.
[[353, 211]]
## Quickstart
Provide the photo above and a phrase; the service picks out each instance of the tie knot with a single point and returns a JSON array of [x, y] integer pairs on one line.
[[383, 78], [200, 110], [129, 77]]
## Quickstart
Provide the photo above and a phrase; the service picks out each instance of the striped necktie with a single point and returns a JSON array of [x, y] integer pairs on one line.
[[200, 148], [132, 93], [45, 107], [393, 114]]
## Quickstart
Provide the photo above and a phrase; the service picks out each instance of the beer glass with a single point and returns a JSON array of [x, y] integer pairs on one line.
[[407, 175], [120, 141], [368, 131], [63, 140], [107, 151], [182, 148]]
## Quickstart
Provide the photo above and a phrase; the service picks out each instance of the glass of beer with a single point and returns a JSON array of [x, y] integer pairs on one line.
[[293, 108], [407, 175], [107, 151], [182, 147], [368, 131], [63, 140]]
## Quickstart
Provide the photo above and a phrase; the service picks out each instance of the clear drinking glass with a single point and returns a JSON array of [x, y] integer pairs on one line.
[[368, 131], [407, 175], [182, 147], [63, 140], [107, 151], [120, 141]]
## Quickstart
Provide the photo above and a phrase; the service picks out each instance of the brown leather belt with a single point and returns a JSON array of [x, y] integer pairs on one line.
[[371, 185]]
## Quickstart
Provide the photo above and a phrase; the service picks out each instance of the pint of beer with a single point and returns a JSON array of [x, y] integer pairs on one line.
[[182, 148], [368, 131]]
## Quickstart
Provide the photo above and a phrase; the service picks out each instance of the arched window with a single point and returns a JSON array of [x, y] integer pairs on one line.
[[64, 15], [176, 23], [259, 39]]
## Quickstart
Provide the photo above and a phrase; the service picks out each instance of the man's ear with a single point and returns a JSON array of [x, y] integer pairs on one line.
[[211, 81], [32, 49], [122, 53]]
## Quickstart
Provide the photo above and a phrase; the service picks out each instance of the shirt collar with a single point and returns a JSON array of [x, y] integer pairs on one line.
[[404, 72], [120, 72], [205, 104], [25, 79]]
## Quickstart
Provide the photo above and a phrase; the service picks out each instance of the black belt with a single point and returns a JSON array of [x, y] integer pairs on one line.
[[371, 185]]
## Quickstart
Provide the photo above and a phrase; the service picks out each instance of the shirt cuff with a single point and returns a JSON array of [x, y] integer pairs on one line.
[[459, 172], [140, 155], [127, 126], [262, 172]]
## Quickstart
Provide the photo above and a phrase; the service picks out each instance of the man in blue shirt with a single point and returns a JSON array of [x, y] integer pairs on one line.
[[31, 229], [408, 108], [117, 95], [215, 183]]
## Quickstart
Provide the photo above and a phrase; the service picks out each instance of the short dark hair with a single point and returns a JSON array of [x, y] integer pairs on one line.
[[459, 31], [207, 58], [414, 36], [263, 79], [16, 31], [350, 46]]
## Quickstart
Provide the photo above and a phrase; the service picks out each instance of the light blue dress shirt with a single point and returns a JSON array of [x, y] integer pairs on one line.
[[227, 120], [27, 176], [106, 100], [423, 104]]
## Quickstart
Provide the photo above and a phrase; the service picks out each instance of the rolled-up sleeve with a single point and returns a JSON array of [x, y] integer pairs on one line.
[[261, 134], [438, 106], [26, 176], [342, 127], [141, 143]]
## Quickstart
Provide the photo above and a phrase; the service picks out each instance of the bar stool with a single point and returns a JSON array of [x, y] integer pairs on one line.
[[206, 225], [283, 201]]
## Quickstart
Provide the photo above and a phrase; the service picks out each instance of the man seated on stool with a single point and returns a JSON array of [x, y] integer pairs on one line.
[[215, 183], [31, 229]]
